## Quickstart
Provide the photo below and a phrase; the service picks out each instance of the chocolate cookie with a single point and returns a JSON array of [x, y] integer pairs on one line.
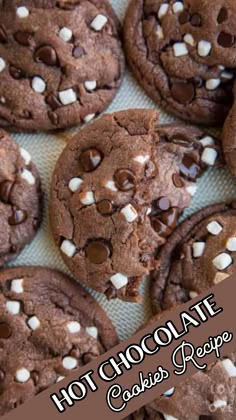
[[47, 316], [207, 395], [61, 62], [182, 54], [198, 255], [117, 191], [20, 199]]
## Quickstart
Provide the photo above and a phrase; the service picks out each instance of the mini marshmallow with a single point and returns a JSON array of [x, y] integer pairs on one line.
[[163, 10], [89, 118], [212, 84], [33, 323], [25, 155], [214, 228], [220, 404], [60, 378], [92, 331], [2, 64], [188, 39], [204, 48], [209, 156], [219, 277], [207, 141], [22, 12], [67, 96], [193, 294], [75, 184], [169, 393], [222, 261], [28, 176], [38, 84], [180, 49], [227, 75], [231, 244], [119, 280], [142, 159], [74, 327], [68, 248], [99, 22], [192, 189], [178, 7], [13, 306], [69, 363], [87, 198], [110, 185], [168, 417], [130, 213], [160, 32], [90, 85], [65, 34], [17, 286], [198, 249], [22, 375], [229, 367]]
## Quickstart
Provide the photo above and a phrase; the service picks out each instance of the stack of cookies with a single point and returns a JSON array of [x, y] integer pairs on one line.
[[120, 185]]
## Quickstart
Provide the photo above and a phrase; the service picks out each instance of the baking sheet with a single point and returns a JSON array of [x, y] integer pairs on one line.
[[217, 185]]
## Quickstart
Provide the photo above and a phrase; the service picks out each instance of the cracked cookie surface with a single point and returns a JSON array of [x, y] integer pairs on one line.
[[52, 325], [61, 62], [198, 255], [117, 192], [182, 54], [20, 199]]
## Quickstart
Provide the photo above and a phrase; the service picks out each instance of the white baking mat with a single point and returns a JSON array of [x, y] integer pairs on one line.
[[45, 149]]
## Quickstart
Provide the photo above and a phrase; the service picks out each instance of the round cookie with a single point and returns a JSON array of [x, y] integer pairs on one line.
[[46, 315], [182, 54], [199, 254], [117, 191], [207, 395], [20, 199], [61, 62]]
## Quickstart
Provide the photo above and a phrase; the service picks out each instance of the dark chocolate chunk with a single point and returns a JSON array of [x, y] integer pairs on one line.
[[183, 92], [23, 38], [47, 55], [105, 207], [5, 330], [226, 40], [90, 159], [18, 216], [98, 252], [125, 179], [5, 191]]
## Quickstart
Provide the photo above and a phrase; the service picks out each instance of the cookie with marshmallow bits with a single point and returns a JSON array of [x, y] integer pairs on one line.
[[20, 199], [52, 325], [207, 395], [61, 62], [117, 192], [182, 54], [198, 255]]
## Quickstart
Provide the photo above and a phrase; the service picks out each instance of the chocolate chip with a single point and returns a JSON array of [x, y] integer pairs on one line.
[[223, 15], [160, 228], [53, 101], [184, 17], [53, 117], [35, 377], [196, 20], [189, 167], [125, 179], [78, 52], [197, 81], [5, 330], [225, 40], [16, 73], [18, 216], [170, 217], [3, 35], [98, 252], [47, 55], [163, 203], [105, 207], [5, 191], [183, 92], [2, 376], [177, 181], [90, 159], [23, 38]]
